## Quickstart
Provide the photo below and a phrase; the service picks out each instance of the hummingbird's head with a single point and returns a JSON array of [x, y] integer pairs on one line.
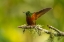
[[28, 13]]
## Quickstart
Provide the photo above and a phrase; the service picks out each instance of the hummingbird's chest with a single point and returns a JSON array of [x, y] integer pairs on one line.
[[30, 20]]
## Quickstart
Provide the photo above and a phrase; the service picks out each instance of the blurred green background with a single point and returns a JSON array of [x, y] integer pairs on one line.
[[12, 16]]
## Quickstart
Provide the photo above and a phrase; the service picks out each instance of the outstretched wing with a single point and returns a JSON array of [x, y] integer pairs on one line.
[[40, 13]]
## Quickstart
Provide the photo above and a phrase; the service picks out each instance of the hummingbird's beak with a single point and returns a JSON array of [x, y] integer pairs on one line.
[[24, 12]]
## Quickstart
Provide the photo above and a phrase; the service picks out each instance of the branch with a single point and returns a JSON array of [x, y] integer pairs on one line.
[[39, 28]]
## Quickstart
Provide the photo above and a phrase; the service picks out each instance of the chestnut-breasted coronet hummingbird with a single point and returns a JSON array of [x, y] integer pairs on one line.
[[32, 17]]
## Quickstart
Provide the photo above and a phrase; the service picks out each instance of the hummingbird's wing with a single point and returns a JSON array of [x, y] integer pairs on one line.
[[40, 13]]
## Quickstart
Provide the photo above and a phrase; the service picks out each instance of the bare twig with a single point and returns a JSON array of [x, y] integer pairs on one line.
[[59, 33]]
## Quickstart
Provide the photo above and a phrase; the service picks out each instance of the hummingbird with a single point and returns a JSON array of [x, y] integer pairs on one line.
[[32, 17]]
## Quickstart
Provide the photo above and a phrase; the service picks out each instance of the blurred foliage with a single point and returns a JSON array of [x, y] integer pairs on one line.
[[12, 16]]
